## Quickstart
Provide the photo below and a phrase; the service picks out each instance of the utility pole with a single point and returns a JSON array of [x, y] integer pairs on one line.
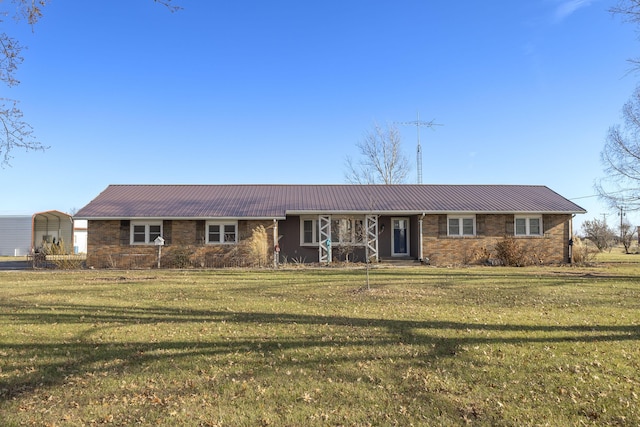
[[622, 215], [417, 123]]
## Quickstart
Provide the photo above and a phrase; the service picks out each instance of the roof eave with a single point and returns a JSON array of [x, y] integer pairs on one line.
[[180, 218], [433, 212]]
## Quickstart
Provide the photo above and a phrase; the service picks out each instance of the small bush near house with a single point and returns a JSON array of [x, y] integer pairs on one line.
[[257, 247], [57, 255], [508, 252], [177, 257], [475, 255], [584, 252], [250, 252], [512, 253]]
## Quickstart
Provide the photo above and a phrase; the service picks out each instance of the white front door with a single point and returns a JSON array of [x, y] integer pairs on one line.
[[400, 237]]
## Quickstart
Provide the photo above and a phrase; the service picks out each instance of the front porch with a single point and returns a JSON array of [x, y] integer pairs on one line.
[[327, 238]]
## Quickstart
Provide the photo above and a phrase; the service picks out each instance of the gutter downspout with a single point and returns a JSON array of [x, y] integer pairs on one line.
[[571, 239]]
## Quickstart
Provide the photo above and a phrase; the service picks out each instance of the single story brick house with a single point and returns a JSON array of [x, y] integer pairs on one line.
[[439, 224]]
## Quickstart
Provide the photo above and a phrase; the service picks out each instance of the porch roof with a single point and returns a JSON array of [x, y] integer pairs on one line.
[[276, 201]]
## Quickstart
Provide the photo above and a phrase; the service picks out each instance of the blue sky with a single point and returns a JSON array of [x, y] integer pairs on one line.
[[125, 92]]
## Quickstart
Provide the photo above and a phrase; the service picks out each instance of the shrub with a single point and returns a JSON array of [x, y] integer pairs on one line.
[[257, 247], [584, 252], [473, 255], [252, 251], [56, 255], [177, 257], [510, 253]]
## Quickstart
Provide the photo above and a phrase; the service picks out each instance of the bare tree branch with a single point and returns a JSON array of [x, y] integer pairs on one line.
[[10, 59], [14, 131], [167, 3], [629, 11], [620, 159], [381, 161]]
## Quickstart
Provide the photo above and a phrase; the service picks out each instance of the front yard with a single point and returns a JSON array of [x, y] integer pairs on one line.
[[424, 346]]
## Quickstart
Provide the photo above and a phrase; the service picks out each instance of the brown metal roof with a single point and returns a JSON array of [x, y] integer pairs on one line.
[[275, 201]]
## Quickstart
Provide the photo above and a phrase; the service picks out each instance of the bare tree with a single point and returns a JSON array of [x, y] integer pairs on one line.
[[599, 233], [14, 131], [621, 159], [621, 154], [627, 233], [381, 161]]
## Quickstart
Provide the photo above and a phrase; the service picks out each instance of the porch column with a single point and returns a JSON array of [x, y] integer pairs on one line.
[[372, 237], [324, 248]]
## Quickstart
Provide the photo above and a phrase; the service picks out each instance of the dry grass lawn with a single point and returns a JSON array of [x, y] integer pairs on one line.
[[425, 346]]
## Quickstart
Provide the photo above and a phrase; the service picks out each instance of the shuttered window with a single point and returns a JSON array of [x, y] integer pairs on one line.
[[222, 232], [144, 233]]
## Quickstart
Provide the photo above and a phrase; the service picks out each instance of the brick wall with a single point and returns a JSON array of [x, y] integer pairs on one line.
[[441, 249], [108, 245]]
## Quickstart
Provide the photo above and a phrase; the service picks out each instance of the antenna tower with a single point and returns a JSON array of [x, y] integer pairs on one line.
[[418, 123]]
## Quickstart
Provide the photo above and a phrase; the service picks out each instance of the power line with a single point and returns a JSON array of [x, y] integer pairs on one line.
[[611, 192], [584, 197]]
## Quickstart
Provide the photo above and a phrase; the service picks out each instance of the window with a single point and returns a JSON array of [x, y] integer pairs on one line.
[[343, 231], [528, 226], [309, 231], [339, 230], [347, 231], [461, 226], [309, 234], [222, 232], [144, 233]]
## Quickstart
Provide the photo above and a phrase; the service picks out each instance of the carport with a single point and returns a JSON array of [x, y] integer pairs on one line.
[[52, 228]]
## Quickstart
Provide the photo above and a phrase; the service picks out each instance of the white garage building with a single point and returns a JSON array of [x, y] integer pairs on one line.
[[15, 235]]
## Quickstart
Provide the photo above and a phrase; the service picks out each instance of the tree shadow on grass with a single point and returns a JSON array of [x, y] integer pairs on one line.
[[81, 353]]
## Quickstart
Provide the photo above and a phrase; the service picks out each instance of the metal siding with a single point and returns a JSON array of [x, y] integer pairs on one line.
[[274, 201], [15, 235]]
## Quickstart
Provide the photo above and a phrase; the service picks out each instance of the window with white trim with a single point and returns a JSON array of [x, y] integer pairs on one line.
[[145, 232], [461, 225], [344, 230], [221, 232], [528, 225], [347, 231], [309, 231]]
